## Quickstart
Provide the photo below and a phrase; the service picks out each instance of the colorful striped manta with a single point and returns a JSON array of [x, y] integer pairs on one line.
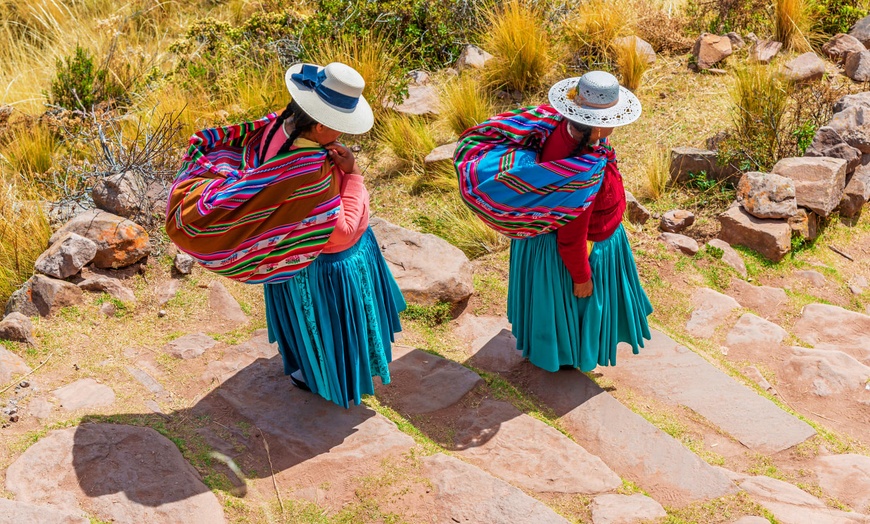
[[501, 180], [250, 221]]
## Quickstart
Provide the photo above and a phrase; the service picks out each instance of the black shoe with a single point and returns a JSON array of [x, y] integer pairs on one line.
[[299, 384]]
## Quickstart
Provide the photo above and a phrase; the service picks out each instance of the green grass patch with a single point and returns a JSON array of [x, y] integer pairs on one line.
[[429, 316], [722, 510]]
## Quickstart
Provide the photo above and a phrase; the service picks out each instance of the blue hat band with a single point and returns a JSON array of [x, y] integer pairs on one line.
[[311, 78]]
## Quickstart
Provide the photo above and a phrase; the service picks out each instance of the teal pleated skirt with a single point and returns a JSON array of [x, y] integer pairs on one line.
[[554, 328], [335, 321]]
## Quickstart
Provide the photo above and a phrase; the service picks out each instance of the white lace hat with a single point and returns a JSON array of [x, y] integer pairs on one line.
[[595, 99], [331, 95]]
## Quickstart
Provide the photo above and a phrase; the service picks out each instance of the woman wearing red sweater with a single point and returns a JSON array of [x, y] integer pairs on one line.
[[574, 292]]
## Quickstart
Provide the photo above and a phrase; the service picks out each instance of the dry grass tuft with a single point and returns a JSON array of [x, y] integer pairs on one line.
[[759, 99], [594, 24], [518, 38], [30, 151], [458, 225], [24, 233], [409, 138], [664, 30], [792, 24], [438, 177], [656, 171], [630, 62], [464, 103]]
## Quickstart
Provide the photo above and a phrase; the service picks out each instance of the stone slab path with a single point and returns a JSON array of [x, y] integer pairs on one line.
[[674, 374]]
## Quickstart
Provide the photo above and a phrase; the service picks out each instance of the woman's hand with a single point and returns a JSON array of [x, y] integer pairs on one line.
[[342, 157], [583, 290]]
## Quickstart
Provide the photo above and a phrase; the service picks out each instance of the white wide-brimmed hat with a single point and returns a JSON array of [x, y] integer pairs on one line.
[[331, 95], [595, 99]]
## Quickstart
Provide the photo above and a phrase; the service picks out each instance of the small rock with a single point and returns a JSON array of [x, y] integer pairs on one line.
[[770, 238], [839, 47], [736, 41], [49, 295], [710, 310], [421, 100], [124, 194], [13, 418], [112, 286], [676, 220], [861, 31], [813, 277], [805, 68], [710, 49], [828, 142], [856, 194], [729, 255], [11, 365], [224, 305], [190, 346], [637, 214], [767, 195], [109, 309], [857, 66], [805, 224], [764, 50], [441, 153], [167, 291], [18, 328], [846, 477], [161, 313], [858, 284], [643, 47], [827, 372], [418, 77], [853, 125], [40, 408], [754, 331], [691, 160], [625, 509], [682, 243], [855, 100], [752, 37], [755, 375], [183, 263], [472, 57], [66, 257], [119, 241], [818, 182], [86, 393]]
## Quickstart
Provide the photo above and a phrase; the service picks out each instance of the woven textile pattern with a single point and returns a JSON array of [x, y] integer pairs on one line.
[[501, 180], [248, 221]]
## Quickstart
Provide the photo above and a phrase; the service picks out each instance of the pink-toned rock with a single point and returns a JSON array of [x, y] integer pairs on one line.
[[854, 100], [857, 193], [765, 195], [123, 194], [183, 263], [770, 238], [710, 49], [441, 153], [841, 45], [119, 241], [857, 66], [112, 286], [11, 365], [635, 211], [805, 224], [711, 310], [190, 346], [86, 393], [818, 182], [16, 512], [729, 255], [682, 243], [823, 325], [828, 142], [827, 372], [751, 330], [764, 50], [676, 220], [493, 346], [18, 328], [168, 290], [814, 278], [853, 125], [116, 473], [472, 57], [790, 504], [805, 68], [224, 305], [764, 300], [420, 100], [50, 295], [625, 509], [66, 257], [846, 478], [861, 31]]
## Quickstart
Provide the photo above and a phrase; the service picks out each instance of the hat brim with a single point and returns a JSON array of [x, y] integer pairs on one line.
[[626, 110], [354, 121]]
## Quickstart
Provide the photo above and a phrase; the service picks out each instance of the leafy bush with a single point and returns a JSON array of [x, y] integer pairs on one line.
[[430, 316], [78, 84], [838, 16], [722, 16], [518, 38]]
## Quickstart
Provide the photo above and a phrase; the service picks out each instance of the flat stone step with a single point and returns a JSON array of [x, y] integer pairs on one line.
[[625, 441], [674, 374], [491, 434], [791, 505]]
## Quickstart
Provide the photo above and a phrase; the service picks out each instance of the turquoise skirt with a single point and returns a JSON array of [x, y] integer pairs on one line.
[[335, 321], [554, 328]]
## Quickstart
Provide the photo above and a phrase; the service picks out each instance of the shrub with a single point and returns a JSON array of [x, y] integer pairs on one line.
[[517, 37], [430, 316], [720, 17], [458, 225], [78, 84], [24, 233], [464, 103], [408, 137], [838, 16], [665, 31], [594, 24], [630, 62]]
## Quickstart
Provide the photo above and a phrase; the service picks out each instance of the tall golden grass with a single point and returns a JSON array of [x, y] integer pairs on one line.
[[594, 24], [30, 150], [759, 99], [518, 39], [465, 103], [656, 172], [630, 62], [438, 177], [792, 24], [456, 224], [409, 138], [24, 233]]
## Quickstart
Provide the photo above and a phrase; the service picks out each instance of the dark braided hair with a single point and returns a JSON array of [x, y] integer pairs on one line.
[[585, 132], [302, 123]]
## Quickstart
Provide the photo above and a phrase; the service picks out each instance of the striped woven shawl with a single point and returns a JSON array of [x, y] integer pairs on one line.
[[501, 180], [252, 222]]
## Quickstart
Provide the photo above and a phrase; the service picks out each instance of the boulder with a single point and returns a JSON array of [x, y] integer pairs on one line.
[[18, 328], [686, 160], [818, 182], [861, 31], [86, 393], [770, 238], [116, 473], [112, 286], [765, 195], [827, 372], [66, 257], [840, 46], [736, 40], [11, 365], [634, 210], [472, 57], [119, 241], [805, 68], [441, 153], [625, 509], [856, 194], [853, 124], [854, 100], [643, 47], [676, 220], [682, 243], [427, 268], [183, 263], [857, 66], [805, 224], [420, 100], [190, 346], [846, 478], [123, 194], [21, 301], [729, 255], [710, 49], [49, 295], [828, 142], [764, 50]]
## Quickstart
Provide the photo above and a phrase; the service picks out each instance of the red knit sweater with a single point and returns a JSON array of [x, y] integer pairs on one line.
[[598, 221]]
